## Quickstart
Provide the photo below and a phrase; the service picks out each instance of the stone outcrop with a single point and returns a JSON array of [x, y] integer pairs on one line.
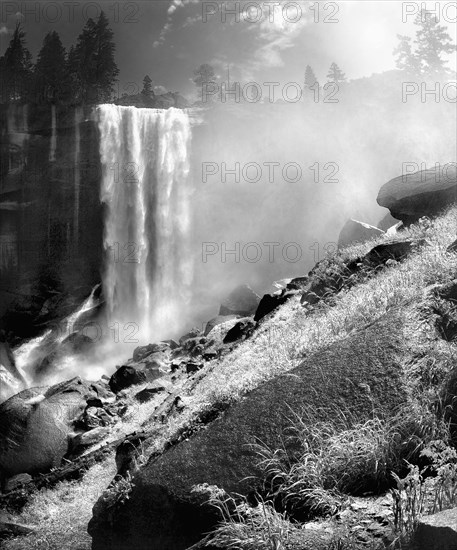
[[437, 532], [163, 510], [242, 301], [424, 193], [354, 232], [35, 426]]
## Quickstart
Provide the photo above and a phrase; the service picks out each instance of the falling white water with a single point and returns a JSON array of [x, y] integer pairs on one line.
[[68, 324], [52, 150], [77, 173], [26, 354], [146, 190]]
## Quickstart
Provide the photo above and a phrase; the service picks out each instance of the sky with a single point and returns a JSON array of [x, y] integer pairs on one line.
[[264, 41]]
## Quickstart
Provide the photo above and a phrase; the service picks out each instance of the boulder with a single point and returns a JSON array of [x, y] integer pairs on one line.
[[193, 333], [162, 511], [243, 329], [218, 320], [151, 391], [35, 426], [126, 376], [241, 301], [437, 532], [424, 193], [396, 251], [355, 232], [142, 352], [269, 303]]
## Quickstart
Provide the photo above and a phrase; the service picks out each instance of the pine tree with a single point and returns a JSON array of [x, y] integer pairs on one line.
[[94, 55], [51, 77], [335, 74], [405, 59], [310, 77], [147, 87], [16, 69], [432, 41]]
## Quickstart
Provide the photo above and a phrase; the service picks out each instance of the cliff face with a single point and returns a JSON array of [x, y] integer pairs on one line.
[[50, 213]]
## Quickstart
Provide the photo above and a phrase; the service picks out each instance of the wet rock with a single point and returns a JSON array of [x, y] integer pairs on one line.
[[141, 352], [193, 333], [241, 301], [126, 376]]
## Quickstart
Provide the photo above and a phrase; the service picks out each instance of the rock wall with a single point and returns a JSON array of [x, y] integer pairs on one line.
[[50, 213]]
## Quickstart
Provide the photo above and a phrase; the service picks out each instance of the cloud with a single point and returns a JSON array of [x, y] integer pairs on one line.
[[173, 7]]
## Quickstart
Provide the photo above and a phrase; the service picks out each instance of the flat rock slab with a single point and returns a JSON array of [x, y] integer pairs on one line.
[[437, 532]]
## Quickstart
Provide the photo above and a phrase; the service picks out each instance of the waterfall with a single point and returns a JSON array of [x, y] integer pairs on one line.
[[146, 190], [52, 150]]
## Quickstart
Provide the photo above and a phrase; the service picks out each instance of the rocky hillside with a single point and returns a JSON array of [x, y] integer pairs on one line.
[[282, 425]]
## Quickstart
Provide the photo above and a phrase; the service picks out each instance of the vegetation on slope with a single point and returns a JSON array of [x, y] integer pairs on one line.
[[342, 461]]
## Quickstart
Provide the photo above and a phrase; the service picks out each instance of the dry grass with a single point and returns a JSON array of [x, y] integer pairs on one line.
[[61, 514], [279, 345]]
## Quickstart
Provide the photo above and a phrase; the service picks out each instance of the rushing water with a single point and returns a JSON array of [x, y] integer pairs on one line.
[[145, 187]]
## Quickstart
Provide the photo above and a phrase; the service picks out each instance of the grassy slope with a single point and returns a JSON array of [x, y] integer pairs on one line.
[[280, 344]]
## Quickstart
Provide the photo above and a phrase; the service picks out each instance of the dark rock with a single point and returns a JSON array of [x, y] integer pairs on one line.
[[35, 425], [77, 343], [241, 301], [17, 481], [161, 511], [215, 321], [192, 367], [396, 251], [150, 392], [452, 247], [269, 303], [210, 354], [193, 333], [141, 352], [437, 532], [355, 232], [243, 329], [424, 193], [298, 283], [125, 377]]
